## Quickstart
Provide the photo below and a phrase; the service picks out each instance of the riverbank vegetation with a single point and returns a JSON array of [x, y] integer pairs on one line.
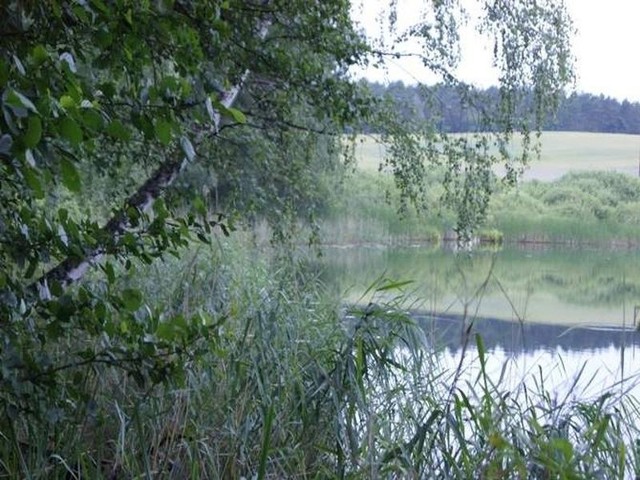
[[272, 379], [564, 201]]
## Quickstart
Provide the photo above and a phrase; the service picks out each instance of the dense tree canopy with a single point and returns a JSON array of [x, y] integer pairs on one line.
[[131, 127]]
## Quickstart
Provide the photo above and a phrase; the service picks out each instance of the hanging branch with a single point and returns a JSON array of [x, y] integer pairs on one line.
[[73, 269]]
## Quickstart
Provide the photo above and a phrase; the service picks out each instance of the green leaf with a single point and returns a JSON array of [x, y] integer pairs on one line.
[[63, 214], [104, 39], [165, 331], [199, 206], [169, 85], [117, 130], [17, 100], [34, 132], [163, 131], [391, 285], [56, 288], [108, 89], [481, 351], [144, 124], [92, 119], [39, 55], [266, 441], [111, 274], [131, 299], [70, 175], [172, 328], [562, 446], [67, 101], [160, 209], [33, 180], [237, 115], [70, 130], [221, 26], [100, 5]]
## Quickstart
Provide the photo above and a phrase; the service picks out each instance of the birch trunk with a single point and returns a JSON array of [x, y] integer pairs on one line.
[[73, 269]]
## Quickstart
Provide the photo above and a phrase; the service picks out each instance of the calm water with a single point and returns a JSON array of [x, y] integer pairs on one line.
[[548, 315]]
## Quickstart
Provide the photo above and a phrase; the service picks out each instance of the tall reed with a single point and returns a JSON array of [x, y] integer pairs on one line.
[[288, 384]]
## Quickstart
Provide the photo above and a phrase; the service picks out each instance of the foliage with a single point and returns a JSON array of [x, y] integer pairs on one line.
[[532, 55], [106, 103], [109, 101], [360, 214], [606, 204], [578, 208]]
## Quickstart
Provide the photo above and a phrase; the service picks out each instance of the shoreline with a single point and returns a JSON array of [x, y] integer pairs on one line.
[[450, 243]]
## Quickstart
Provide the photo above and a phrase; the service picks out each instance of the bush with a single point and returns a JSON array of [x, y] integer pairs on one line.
[[491, 236]]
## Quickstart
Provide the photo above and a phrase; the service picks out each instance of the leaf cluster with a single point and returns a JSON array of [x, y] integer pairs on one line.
[[103, 104]]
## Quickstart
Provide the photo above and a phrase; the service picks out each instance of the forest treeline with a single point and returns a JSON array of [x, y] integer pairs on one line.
[[458, 110]]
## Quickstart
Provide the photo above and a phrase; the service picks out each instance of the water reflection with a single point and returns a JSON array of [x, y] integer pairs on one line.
[[562, 286], [570, 363], [518, 337], [566, 375], [558, 318]]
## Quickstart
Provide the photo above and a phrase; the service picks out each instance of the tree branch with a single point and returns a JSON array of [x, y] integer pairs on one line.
[[73, 269]]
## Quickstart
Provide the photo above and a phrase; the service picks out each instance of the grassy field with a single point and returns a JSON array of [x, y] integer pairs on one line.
[[561, 152]]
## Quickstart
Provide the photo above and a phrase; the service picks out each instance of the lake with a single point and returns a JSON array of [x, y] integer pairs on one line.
[[565, 315]]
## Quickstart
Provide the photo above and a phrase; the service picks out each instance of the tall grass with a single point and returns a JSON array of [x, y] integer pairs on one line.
[[288, 385]]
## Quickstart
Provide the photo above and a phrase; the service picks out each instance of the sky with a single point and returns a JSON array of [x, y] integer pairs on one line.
[[605, 47]]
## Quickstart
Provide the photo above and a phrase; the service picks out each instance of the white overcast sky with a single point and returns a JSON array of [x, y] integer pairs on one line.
[[606, 47]]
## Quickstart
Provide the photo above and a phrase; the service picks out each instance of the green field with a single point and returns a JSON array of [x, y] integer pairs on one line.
[[561, 152]]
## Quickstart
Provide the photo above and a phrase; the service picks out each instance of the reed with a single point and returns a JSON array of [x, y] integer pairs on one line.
[[290, 385]]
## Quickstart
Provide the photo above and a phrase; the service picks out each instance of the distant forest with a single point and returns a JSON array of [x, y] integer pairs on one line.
[[577, 112]]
